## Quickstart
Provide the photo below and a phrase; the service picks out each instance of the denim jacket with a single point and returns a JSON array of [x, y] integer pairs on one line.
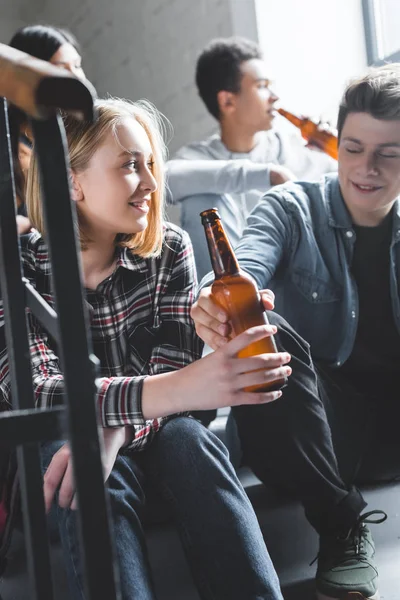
[[299, 242]]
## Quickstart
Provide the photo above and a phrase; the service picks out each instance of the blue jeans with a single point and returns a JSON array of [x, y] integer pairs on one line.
[[189, 468]]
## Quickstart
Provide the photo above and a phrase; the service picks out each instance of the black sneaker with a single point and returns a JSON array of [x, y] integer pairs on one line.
[[346, 567]]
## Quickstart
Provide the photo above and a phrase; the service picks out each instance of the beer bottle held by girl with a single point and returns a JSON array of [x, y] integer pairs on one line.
[[237, 294]]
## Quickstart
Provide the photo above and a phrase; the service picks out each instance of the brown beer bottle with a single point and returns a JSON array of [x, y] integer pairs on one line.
[[325, 139], [237, 294]]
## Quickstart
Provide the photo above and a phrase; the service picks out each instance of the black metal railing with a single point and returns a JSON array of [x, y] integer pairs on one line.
[[44, 91]]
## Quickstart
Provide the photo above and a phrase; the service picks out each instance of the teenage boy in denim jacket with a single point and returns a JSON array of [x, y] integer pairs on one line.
[[330, 252]]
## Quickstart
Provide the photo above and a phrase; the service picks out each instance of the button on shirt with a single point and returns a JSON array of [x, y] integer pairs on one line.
[[140, 326]]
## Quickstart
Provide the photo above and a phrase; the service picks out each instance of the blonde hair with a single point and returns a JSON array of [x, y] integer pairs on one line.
[[84, 139]]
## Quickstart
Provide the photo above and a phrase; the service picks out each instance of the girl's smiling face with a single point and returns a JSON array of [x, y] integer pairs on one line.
[[114, 191]]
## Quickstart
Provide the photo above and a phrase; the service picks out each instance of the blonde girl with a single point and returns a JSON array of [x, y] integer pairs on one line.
[[139, 277]]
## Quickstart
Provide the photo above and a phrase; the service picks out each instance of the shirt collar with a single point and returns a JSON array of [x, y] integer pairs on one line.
[[125, 257], [130, 261], [338, 215]]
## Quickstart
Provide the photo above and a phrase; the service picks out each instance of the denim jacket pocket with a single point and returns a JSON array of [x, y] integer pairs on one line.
[[315, 289]]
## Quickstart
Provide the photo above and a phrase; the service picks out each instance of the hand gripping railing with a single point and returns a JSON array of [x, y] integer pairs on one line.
[[39, 89]]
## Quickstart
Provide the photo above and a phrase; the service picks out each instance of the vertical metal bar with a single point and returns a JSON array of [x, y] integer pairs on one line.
[[75, 353], [371, 34], [13, 297], [374, 35]]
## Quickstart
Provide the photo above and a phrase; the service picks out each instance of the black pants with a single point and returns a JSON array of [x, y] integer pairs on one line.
[[320, 438]]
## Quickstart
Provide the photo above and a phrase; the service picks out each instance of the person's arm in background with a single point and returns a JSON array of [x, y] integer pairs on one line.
[[187, 178], [198, 180]]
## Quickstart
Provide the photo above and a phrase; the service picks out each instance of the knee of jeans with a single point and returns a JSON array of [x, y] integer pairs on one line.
[[185, 442], [125, 485], [288, 340]]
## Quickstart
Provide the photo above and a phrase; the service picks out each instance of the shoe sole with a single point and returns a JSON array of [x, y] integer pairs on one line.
[[349, 596]]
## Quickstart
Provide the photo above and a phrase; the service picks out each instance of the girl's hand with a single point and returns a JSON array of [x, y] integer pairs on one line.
[[219, 379], [59, 473]]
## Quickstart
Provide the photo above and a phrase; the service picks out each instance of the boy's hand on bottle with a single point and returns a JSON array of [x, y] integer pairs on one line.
[[212, 322], [280, 175], [219, 379]]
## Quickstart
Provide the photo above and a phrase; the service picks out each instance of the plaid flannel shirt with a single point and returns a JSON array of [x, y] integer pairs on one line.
[[140, 325]]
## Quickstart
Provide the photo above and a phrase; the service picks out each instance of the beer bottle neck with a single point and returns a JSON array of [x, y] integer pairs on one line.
[[222, 257], [298, 121]]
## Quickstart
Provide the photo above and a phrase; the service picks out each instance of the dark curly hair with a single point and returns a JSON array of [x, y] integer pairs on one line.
[[218, 68]]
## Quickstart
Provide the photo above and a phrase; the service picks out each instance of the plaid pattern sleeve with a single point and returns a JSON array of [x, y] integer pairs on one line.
[[140, 325]]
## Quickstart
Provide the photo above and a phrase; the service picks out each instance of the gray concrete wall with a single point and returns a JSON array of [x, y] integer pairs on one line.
[[138, 49]]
